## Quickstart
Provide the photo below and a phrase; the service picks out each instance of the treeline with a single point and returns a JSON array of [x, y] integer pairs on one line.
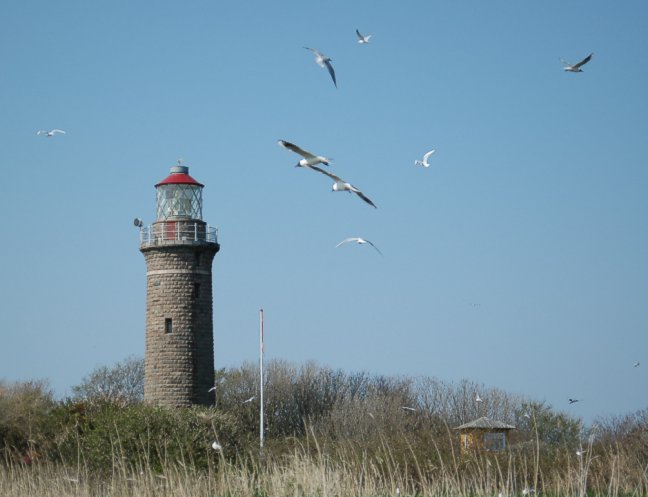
[[386, 423]]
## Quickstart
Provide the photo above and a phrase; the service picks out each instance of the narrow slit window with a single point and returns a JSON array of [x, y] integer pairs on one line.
[[196, 290], [197, 258], [168, 325]]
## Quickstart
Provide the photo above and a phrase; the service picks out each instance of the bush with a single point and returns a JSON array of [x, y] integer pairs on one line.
[[109, 438], [24, 414]]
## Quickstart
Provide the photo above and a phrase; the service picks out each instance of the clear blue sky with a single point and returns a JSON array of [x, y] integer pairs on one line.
[[534, 208]]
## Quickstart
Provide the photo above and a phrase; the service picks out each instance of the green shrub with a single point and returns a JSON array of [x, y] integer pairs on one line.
[[108, 437]]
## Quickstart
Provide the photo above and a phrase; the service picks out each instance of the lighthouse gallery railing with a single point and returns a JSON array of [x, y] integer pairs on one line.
[[177, 232]]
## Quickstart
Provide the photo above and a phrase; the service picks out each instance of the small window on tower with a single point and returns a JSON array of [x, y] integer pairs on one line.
[[196, 290], [168, 325], [197, 258]]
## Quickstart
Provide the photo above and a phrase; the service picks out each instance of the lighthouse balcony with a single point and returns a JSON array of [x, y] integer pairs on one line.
[[182, 232]]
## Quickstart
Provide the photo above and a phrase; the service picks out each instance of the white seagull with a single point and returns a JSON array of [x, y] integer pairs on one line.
[[407, 408], [576, 67], [216, 446], [636, 364], [324, 61], [359, 241], [308, 158], [478, 398], [340, 186], [424, 162], [50, 133], [248, 400], [363, 39]]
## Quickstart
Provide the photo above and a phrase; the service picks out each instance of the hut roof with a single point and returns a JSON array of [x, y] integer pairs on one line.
[[485, 423]]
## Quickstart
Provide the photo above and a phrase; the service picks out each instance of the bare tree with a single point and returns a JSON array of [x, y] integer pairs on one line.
[[122, 383]]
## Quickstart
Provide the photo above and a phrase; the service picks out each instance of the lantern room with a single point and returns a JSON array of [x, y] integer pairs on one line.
[[179, 196], [179, 213]]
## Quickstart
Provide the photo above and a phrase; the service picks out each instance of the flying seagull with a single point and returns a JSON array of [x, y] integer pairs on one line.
[[636, 364], [359, 241], [363, 39], [216, 446], [211, 389], [248, 400], [308, 158], [580, 452], [478, 398], [50, 133], [573, 401], [324, 61], [424, 162], [576, 67], [407, 408], [340, 185]]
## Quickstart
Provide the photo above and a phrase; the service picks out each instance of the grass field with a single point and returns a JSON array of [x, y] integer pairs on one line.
[[346, 472]]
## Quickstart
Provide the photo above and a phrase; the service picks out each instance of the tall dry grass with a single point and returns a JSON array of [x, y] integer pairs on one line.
[[341, 470]]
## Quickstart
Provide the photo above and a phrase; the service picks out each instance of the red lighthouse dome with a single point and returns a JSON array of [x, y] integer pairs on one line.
[[179, 176]]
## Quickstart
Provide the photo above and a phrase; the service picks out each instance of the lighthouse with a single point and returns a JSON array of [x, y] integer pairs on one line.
[[179, 248]]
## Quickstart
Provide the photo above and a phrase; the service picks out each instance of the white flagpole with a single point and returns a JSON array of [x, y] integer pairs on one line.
[[261, 377]]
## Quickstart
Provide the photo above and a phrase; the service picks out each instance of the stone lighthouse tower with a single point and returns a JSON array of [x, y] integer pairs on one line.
[[179, 248]]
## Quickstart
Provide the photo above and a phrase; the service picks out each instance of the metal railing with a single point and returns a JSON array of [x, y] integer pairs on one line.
[[177, 232]]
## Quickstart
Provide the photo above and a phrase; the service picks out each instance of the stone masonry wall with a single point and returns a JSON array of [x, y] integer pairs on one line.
[[179, 362]]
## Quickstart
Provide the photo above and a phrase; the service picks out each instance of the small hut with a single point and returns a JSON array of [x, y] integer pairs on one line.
[[484, 434]]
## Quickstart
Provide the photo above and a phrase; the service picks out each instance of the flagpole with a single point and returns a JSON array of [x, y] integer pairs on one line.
[[261, 378]]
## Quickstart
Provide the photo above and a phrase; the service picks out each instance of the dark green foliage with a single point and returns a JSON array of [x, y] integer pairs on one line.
[[143, 436]]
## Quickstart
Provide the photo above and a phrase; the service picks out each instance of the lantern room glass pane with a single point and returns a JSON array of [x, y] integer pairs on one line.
[[179, 201]]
